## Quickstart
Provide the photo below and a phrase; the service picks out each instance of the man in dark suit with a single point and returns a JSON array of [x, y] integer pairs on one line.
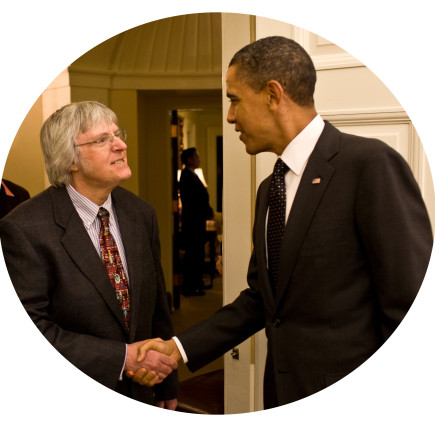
[[92, 284], [337, 279], [195, 212]]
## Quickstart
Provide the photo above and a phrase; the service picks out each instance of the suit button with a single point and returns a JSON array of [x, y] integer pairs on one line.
[[276, 323]]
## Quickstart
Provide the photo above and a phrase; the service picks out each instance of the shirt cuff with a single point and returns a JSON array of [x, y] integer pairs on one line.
[[181, 349], [125, 358]]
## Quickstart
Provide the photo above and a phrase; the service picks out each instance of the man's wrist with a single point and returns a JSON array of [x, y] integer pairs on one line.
[[180, 349]]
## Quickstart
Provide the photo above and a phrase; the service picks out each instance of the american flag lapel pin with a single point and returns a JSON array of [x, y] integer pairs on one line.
[[316, 180]]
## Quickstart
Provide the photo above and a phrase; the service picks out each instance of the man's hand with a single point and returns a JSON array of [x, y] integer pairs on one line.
[[166, 348], [152, 369], [168, 404], [144, 377]]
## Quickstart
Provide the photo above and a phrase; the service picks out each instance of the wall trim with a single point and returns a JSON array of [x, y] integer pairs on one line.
[[336, 61], [324, 61], [104, 80], [383, 115]]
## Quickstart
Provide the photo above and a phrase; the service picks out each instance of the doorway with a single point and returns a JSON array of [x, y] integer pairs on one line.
[[169, 122], [156, 167], [199, 129]]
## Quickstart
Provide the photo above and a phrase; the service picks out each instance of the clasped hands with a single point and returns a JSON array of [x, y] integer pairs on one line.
[[149, 362]]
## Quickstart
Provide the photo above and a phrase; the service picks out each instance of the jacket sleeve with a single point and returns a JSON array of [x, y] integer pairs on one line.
[[395, 232], [101, 359]]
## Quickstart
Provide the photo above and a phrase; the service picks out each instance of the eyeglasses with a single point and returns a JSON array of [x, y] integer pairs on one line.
[[107, 138]]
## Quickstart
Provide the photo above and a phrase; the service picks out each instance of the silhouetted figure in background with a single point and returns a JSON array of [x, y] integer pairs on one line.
[[195, 212], [11, 195]]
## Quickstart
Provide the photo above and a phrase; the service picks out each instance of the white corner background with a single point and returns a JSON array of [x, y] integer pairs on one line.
[[393, 392]]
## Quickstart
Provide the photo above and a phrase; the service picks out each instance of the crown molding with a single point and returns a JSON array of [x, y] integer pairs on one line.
[[382, 115], [108, 80]]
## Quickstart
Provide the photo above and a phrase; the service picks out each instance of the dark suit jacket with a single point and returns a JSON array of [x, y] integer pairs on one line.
[[65, 289], [355, 251], [195, 201]]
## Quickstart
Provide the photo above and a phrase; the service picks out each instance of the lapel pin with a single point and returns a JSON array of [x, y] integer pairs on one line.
[[316, 180]]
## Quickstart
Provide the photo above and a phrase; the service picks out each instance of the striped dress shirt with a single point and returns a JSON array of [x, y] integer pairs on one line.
[[88, 212]]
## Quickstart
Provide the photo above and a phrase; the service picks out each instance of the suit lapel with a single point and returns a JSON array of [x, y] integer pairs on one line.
[[260, 239], [79, 246], [312, 187], [133, 238]]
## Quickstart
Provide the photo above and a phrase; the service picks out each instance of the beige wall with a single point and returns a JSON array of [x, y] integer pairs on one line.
[[124, 104], [25, 164]]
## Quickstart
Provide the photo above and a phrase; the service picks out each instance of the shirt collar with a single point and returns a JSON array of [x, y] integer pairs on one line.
[[87, 209], [297, 152]]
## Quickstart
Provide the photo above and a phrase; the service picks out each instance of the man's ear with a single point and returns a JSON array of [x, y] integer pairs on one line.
[[276, 93], [74, 167]]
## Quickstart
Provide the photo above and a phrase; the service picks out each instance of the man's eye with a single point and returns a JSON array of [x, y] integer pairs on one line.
[[101, 140]]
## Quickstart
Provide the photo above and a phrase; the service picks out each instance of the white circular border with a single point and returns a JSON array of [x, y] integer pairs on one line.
[[388, 393]]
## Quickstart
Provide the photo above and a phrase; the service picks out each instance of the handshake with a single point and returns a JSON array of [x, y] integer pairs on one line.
[[149, 362]]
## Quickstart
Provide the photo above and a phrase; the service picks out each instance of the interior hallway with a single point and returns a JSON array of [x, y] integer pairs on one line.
[[192, 310], [201, 392]]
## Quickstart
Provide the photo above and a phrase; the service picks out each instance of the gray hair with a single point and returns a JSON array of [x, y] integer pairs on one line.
[[281, 59], [59, 132]]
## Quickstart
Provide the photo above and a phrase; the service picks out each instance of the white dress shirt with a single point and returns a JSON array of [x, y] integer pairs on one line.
[[295, 156]]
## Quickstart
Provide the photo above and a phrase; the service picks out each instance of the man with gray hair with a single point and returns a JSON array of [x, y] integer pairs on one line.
[[84, 257]]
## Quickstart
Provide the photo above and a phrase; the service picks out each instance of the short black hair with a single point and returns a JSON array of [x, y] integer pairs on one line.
[[187, 154], [281, 59]]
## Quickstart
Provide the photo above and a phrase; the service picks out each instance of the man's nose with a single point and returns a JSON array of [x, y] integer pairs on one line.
[[118, 144], [231, 118]]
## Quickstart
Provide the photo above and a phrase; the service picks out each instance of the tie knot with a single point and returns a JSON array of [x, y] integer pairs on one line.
[[103, 214], [280, 167]]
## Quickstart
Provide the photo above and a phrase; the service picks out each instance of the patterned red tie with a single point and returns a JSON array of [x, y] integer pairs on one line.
[[112, 261]]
